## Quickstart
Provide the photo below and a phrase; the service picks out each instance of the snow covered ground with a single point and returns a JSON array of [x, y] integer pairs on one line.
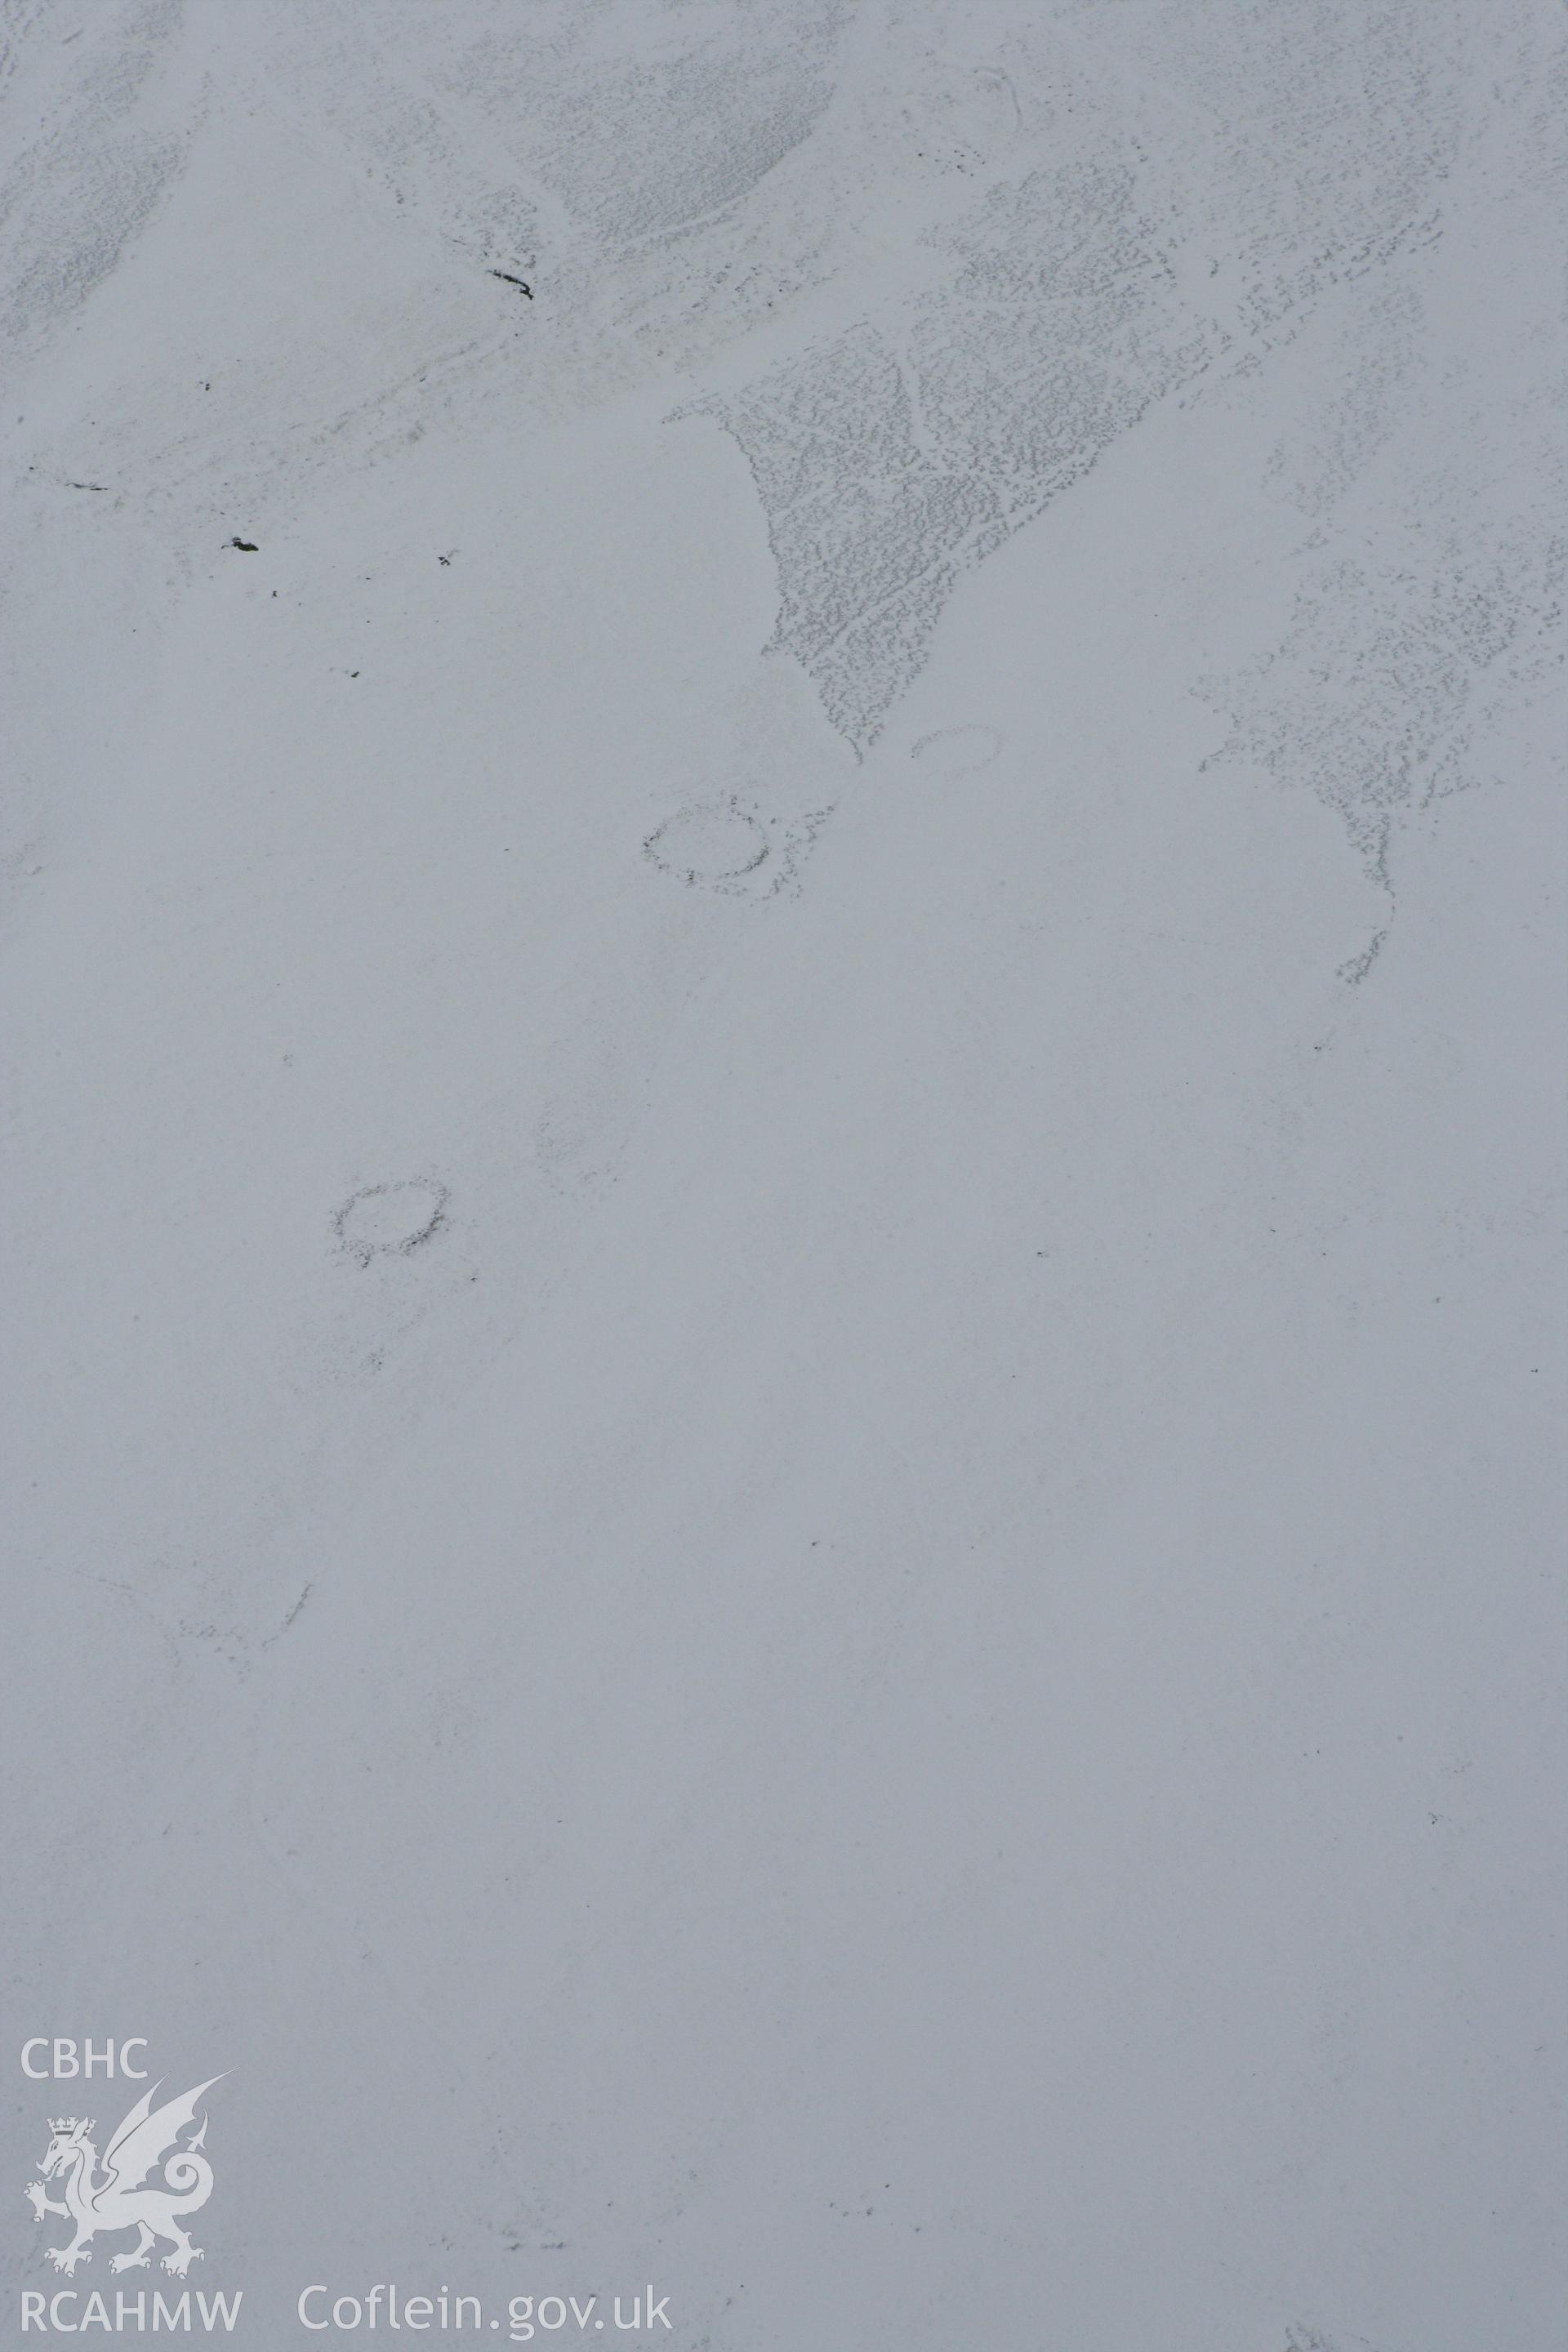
[[782, 1111]]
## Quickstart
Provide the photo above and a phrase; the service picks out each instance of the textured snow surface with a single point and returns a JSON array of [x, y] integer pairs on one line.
[[781, 1130]]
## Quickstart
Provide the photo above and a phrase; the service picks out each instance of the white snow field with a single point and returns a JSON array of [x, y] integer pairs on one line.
[[783, 1106]]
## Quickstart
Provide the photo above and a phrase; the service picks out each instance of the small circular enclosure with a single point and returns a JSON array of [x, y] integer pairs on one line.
[[708, 844], [957, 751], [387, 1218]]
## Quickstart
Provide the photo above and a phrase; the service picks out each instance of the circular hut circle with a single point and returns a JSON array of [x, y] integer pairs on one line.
[[714, 844], [384, 1220]]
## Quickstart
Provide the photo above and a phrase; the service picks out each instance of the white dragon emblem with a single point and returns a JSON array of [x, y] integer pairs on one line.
[[122, 2199]]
